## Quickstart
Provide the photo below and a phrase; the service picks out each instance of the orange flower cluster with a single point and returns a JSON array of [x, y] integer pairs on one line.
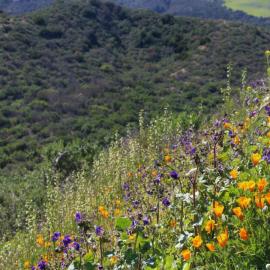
[[103, 212]]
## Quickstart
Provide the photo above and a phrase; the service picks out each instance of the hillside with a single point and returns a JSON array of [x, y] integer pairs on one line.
[[83, 69], [174, 196], [201, 8]]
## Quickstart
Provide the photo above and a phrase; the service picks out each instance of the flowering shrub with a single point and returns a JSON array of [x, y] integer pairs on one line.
[[169, 199]]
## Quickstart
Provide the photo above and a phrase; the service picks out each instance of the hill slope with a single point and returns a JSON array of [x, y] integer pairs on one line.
[[85, 68]]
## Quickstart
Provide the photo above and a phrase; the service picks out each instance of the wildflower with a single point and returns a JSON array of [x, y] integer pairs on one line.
[[78, 217], [209, 226], [236, 140], [210, 247], [76, 246], [243, 234], [167, 158], [132, 237], [129, 174], [259, 201], [105, 214], [174, 175], [197, 241], [154, 173], [67, 240], [101, 209], [117, 212], [223, 239], [47, 244], [99, 231], [117, 202], [251, 185], [266, 152], [243, 202], [166, 202], [238, 212], [40, 240], [146, 221], [255, 158], [218, 209], [26, 264], [267, 197], [186, 254], [173, 223], [227, 125], [234, 174], [267, 53], [113, 260], [42, 265], [262, 183], [56, 236]]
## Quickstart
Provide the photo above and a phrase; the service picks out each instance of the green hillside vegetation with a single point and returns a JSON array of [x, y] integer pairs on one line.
[[176, 196], [260, 8], [84, 69]]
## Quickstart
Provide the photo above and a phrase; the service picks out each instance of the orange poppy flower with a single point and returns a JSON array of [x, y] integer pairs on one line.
[[218, 209], [243, 202], [262, 183], [243, 234], [236, 140], [173, 223], [167, 158], [197, 241], [255, 158], [251, 185], [223, 239], [267, 197], [238, 212], [186, 254], [210, 247], [234, 174], [209, 226], [259, 201]]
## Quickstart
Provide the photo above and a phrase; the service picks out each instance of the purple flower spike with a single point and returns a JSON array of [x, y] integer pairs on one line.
[[174, 175], [33, 268], [267, 109], [99, 231], [166, 202], [76, 246], [78, 217], [146, 221], [56, 236], [42, 265], [67, 240]]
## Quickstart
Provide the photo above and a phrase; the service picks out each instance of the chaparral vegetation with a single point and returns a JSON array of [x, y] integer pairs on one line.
[[186, 192]]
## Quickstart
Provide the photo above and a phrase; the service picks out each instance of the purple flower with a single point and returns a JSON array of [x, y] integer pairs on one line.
[[174, 175], [78, 217], [135, 203], [166, 202], [146, 220], [56, 236], [266, 155], [42, 265], [267, 108], [67, 240], [33, 268], [76, 246], [252, 114], [99, 231], [126, 186]]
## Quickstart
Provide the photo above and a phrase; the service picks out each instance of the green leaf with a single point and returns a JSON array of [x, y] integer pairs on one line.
[[122, 223], [186, 266]]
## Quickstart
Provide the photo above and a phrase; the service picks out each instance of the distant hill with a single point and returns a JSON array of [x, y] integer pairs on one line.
[[209, 9], [83, 69], [23, 6]]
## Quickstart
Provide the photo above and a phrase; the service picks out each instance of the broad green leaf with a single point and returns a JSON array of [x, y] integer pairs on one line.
[[122, 223]]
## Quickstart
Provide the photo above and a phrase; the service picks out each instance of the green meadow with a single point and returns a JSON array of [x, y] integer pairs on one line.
[[259, 8]]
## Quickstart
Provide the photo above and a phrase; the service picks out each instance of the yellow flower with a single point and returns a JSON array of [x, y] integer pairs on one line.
[[251, 185], [236, 140], [132, 237], [117, 212], [262, 183], [243, 234], [243, 202], [113, 260], [209, 226], [197, 241], [47, 244], [223, 239], [186, 254], [105, 214], [117, 202], [167, 158], [210, 247], [255, 158], [218, 209], [101, 208], [234, 174], [238, 212], [26, 264], [40, 240], [154, 173]]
